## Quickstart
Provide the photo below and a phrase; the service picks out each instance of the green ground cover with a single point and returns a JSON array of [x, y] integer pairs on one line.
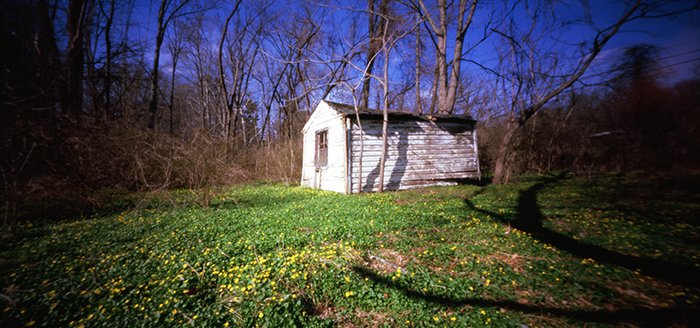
[[544, 251]]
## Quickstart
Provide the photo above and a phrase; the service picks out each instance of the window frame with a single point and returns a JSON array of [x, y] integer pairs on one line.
[[321, 148]]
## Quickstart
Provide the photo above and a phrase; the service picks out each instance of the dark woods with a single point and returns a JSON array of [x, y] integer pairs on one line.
[[631, 122], [104, 97], [85, 116]]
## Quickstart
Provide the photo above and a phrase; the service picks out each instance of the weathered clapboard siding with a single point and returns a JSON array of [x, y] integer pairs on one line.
[[432, 166], [333, 176], [421, 151]]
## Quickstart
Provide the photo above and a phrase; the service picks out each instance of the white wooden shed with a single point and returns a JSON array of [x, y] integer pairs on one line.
[[422, 150]]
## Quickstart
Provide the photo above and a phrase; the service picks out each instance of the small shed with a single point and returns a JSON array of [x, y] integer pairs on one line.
[[422, 150]]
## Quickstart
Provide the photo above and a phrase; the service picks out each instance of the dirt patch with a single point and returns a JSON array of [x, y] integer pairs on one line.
[[528, 297], [514, 261], [389, 238], [386, 260], [322, 310], [523, 296], [637, 296], [360, 318], [394, 256], [646, 292], [418, 250], [325, 311], [373, 318]]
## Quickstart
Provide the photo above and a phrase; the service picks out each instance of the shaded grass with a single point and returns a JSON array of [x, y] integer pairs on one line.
[[546, 250]]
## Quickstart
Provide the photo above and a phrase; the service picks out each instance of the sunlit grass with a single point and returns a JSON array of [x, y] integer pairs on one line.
[[285, 256]]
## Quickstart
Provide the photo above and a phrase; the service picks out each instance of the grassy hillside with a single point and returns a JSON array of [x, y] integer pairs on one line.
[[545, 251]]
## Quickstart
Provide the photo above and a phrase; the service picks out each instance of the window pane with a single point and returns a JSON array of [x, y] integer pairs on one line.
[[321, 148]]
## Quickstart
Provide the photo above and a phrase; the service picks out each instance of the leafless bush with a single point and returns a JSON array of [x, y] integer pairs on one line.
[[89, 166], [81, 169], [131, 159], [277, 161]]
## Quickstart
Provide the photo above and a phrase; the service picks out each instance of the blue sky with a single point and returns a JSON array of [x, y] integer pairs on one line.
[[678, 36]]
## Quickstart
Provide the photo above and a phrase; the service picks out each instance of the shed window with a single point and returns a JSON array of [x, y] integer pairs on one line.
[[322, 148]]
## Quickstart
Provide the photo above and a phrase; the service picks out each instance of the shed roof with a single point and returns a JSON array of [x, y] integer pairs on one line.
[[346, 109]]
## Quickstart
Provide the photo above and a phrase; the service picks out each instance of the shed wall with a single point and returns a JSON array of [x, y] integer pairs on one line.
[[420, 153], [331, 177]]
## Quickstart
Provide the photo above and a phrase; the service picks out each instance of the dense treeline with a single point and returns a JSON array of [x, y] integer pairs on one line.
[[632, 122], [101, 97]]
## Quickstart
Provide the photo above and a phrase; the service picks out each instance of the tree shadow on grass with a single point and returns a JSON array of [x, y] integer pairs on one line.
[[529, 219], [643, 316]]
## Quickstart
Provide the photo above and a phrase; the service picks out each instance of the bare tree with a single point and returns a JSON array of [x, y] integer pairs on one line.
[[168, 11], [92, 31], [241, 50], [100, 53], [73, 102], [376, 26], [201, 60], [535, 83], [418, 49], [293, 46], [108, 57], [389, 40], [176, 45], [446, 80], [352, 89], [392, 32]]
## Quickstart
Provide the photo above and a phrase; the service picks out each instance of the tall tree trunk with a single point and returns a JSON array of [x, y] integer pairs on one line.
[[74, 59], [228, 99], [371, 53], [367, 82], [92, 27], [171, 104], [376, 29], [108, 61], [446, 92], [462, 28], [499, 172], [433, 91], [419, 103], [49, 61], [362, 143], [441, 61], [153, 104], [385, 121]]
